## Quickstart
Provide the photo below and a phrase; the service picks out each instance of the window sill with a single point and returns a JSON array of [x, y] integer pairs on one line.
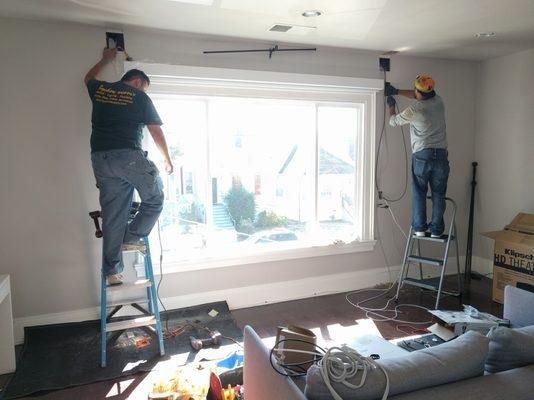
[[257, 258]]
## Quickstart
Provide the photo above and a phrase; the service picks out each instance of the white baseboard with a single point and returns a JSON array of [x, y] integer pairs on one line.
[[242, 297], [255, 295], [483, 266], [250, 296]]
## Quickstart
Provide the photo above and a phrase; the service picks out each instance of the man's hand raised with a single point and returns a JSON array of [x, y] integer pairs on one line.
[[390, 90], [108, 55]]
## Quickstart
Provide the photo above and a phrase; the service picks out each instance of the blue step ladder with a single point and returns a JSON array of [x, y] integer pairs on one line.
[[150, 315]]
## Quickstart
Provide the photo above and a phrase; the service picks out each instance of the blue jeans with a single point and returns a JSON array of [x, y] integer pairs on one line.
[[429, 167], [118, 173]]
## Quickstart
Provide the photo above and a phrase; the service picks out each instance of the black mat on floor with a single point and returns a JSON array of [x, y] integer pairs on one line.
[[58, 356]]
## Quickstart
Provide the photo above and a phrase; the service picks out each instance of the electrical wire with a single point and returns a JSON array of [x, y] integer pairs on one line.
[[383, 133], [374, 313], [395, 220], [161, 277], [337, 365], [182, 329], [289, 369], [188, 325], [379, 314], [379, 239], [340, 364], [393, 238]]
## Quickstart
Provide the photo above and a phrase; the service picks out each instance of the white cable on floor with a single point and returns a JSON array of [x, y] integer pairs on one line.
[[377, 314], [339, 365]]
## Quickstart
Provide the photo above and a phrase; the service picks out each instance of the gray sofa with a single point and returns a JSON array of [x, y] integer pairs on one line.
[[261, 382]]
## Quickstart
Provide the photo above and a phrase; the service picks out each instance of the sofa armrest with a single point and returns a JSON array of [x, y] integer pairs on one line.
[[518, 306], [260, 380]]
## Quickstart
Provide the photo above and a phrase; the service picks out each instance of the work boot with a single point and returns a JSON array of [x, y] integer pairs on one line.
[[114, 279]]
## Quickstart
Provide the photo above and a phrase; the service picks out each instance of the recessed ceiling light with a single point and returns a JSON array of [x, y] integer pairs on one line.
[[484, 34], [311, 13]]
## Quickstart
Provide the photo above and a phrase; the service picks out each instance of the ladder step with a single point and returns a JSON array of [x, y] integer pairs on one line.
[[426, 260], [131, 323], [134, 251], [129, 248], [126, 302], [422, 283], [442, 239], [429, 284], [138, 284]]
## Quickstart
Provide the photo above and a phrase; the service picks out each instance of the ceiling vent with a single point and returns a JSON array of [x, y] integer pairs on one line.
[[294, 29], [280, 28]]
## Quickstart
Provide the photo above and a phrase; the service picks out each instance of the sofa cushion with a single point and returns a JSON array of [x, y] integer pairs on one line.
[[510, 348], [514, 384], [461, 358], [518, 306]]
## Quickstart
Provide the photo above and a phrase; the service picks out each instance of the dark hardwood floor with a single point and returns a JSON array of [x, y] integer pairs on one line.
[[326, 314], [334, 309]]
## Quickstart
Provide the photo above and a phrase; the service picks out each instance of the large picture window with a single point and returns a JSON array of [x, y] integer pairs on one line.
[[262, 174]]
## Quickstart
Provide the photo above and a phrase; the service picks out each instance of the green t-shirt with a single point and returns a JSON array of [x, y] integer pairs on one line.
[[119, 114]]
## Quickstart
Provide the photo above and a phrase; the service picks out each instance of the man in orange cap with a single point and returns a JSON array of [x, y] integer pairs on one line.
[[430, 165]]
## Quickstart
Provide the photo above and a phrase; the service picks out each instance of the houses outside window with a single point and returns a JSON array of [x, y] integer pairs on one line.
[[264, 173]]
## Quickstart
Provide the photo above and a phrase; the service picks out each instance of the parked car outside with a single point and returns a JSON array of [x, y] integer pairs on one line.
[[272, 236]]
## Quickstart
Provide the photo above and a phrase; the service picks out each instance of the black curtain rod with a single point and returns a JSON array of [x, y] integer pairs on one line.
[[270, 50]]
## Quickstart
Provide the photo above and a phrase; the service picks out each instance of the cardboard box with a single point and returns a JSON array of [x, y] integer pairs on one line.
[[513, 254], [455, 323], [298, 339]]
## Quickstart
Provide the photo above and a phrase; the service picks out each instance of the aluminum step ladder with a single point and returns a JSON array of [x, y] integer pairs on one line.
[[439, 263], [150, 315]]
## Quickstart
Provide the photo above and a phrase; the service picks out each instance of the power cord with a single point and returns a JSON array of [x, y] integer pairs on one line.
[[182, 329], [161, 277], [379, 314], [388, 207], [383, 133], [340, 364], [289, 369], [379, 238], [336, 365]]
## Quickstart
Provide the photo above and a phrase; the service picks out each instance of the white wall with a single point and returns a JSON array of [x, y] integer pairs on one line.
[[504, 144], [47, 187]]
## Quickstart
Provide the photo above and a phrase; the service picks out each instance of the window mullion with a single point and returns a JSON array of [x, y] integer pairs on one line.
[[316, 169], [207, 177]]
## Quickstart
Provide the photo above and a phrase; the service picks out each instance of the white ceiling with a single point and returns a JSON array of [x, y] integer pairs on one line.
[[436, 28]]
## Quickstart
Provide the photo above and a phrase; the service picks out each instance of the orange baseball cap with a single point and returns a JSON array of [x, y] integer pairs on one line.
[[424, 83]]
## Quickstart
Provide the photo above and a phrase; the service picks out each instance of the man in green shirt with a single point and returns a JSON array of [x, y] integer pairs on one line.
[[120, 111]]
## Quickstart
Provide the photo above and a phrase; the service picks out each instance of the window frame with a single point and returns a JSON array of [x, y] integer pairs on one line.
[[323, 90]]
